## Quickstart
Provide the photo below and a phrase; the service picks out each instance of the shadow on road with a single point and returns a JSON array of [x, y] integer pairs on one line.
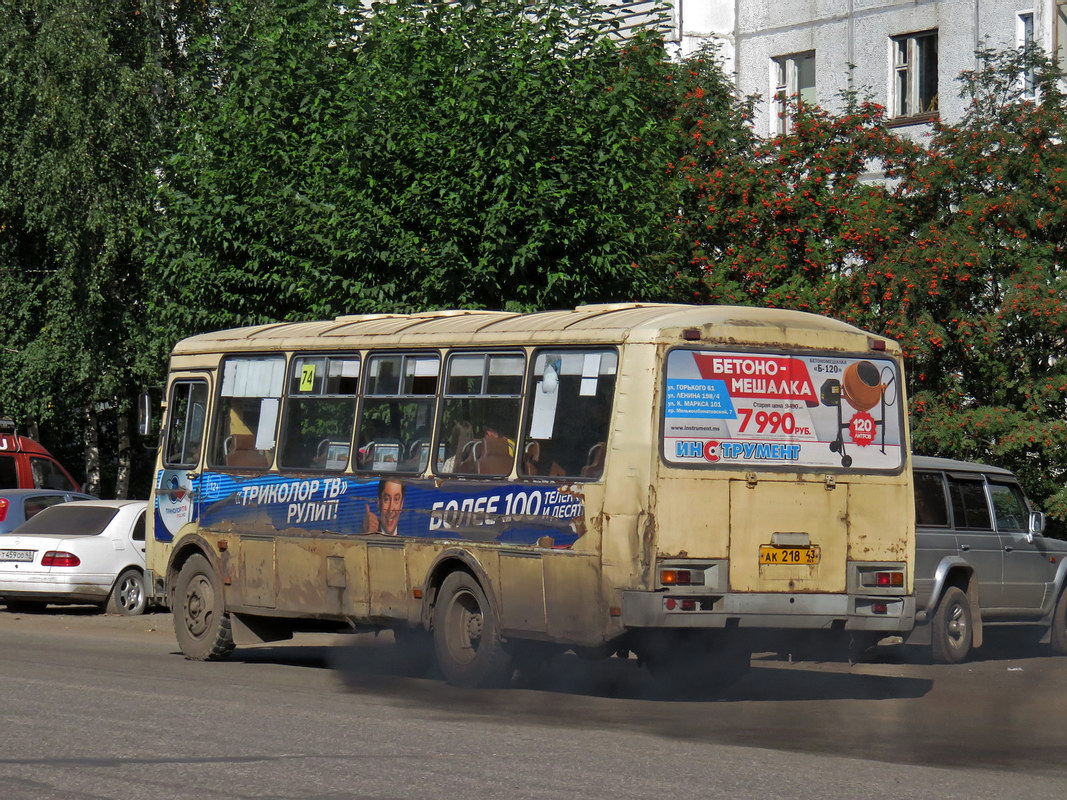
[[381, 667]]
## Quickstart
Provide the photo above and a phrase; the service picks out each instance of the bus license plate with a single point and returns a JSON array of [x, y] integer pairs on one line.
[[769, 554], [16, 555]]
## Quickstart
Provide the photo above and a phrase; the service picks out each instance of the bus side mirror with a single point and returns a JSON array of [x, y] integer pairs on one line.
[[144, 414]]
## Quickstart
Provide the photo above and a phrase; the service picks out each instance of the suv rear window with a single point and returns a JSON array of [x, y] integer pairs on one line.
[[68, 518], [969, 507], [930, 508]]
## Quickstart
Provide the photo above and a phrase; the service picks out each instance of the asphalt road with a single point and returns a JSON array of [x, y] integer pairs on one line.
[[104, 707]]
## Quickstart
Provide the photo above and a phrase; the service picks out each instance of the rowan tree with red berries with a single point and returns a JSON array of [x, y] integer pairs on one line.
[[954, 246]]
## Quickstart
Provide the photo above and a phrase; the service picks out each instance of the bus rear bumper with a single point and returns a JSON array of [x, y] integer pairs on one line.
[[852, 612]]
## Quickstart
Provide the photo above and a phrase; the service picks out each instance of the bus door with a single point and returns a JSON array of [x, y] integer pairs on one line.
[[178, 482], [788, 535]]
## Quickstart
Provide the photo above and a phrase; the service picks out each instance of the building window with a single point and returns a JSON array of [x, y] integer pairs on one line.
[[1061, 35], [794, 82], [1024, 38], [915, 74]]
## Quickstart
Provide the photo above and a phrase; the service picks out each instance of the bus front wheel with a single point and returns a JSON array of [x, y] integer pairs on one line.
[[466, 635], [201, 623]]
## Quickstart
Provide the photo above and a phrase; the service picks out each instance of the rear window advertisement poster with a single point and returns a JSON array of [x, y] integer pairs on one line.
[[779, 410]]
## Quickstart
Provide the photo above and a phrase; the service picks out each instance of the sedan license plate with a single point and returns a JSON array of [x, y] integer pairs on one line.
[[16, 555], [769, 554]]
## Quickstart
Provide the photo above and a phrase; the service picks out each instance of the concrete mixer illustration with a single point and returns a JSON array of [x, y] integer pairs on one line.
[[863, 386]]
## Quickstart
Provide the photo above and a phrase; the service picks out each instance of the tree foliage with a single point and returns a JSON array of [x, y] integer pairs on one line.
[[76, 152], [955, 247], [498, 154]]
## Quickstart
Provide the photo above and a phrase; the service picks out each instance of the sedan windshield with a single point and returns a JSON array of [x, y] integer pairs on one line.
[[68, 518]]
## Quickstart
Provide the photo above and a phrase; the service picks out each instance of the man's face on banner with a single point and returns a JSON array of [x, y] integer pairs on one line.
[[390, 504]]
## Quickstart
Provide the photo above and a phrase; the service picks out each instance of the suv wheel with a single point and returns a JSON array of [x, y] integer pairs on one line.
[[952, 629], [1058, 638]]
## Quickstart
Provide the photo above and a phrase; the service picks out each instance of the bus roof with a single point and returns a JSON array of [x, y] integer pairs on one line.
[[605, 323]]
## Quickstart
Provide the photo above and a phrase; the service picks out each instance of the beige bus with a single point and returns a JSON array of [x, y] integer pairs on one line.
[[683, 483]]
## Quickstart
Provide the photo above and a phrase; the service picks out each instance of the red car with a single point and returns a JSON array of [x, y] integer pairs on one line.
[[24, 464]]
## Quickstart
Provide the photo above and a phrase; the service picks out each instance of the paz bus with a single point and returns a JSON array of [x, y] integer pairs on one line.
[[681, 483]]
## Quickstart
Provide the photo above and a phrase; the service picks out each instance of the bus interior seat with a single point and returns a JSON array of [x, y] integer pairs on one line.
[[594, 462], [531, 462], [467, 459], [487, 456], [241, 451], [495, 458]]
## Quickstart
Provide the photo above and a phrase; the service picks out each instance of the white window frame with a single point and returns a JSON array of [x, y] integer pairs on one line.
[[785, 83], [1059, 35], [1024, 35], [907, 68]]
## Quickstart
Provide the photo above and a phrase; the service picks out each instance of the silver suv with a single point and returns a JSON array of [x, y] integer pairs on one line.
[[981, 559]]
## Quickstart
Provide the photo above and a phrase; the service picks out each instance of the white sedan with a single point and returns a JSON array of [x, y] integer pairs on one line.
[[88, 551]]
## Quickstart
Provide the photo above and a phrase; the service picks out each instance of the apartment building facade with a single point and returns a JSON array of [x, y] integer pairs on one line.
[[906, 54]]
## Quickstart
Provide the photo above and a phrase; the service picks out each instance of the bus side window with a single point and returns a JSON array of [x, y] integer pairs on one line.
[[247, 415], [320, 411], [185, 429], [396, 421], [569, 413], [480, 416]]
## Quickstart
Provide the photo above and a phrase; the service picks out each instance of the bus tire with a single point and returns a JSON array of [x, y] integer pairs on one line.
[[127, 596], [953, 629], [466, 635], [1058, 634], [201, 623]]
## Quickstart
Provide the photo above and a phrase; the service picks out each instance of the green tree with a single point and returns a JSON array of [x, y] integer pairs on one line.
[[76, 152], [422, 155]]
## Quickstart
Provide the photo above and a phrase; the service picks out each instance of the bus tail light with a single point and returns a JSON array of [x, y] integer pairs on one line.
[[60, 558], [889, 579], [675, 577], [879, 608], [689, 603], [681, 577], [4, 503]]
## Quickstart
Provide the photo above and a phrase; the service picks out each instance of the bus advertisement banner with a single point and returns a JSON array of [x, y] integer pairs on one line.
[[541, 515], [782, 410]]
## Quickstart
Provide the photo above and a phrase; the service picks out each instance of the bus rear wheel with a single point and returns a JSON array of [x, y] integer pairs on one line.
[[201, 623], [466, 635]]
